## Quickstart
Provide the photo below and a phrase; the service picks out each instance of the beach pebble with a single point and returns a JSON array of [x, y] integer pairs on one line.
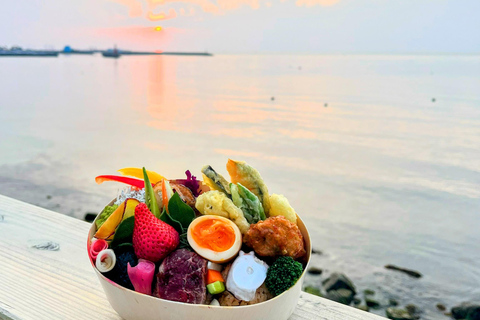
[[466, 310], [393, 302], [315, 271], [398, 314], [410, 272], [372, 303], [412, 309], [338, 281], [441, 307], [368, 292], [344, 296], [363, 307], [313, 290]]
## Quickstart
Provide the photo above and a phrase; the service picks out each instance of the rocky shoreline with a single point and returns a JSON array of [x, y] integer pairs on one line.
[[338, 287]]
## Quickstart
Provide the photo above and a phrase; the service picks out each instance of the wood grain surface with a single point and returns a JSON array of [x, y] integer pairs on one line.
[[36, 283]]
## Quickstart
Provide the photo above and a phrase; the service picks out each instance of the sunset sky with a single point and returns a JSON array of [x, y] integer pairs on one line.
[[246, 26]]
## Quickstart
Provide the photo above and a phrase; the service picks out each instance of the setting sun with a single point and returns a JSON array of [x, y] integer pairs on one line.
[[158, 28]]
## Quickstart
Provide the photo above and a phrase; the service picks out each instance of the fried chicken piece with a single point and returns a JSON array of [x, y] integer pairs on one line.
[[275, 236]]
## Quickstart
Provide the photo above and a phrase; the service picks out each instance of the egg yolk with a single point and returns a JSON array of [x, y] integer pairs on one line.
[[214, 234]]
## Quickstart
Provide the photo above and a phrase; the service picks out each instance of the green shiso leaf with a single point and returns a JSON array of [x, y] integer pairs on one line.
[[183, 244], [165, 217], [150, 200], [179, 216], [124, 232], [180, 211]]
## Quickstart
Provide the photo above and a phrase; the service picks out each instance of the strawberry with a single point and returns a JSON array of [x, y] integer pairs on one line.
[[153, 239]]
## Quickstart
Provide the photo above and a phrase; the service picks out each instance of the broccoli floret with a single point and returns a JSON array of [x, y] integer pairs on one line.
[[105, 215], [283, 274]]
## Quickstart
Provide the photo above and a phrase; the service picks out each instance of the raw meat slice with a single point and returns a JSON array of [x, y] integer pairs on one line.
[[182, 277]]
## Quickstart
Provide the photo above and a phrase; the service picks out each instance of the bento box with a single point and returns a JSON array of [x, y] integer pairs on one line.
[[130, 304]]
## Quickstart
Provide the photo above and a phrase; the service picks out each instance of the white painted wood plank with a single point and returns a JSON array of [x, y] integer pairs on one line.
[[39, 284]]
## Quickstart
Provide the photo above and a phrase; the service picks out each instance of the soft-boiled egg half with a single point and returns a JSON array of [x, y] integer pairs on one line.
[[215, 238]]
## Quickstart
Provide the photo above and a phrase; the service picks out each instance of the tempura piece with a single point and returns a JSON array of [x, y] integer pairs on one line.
[[217, 203], [249, 177], [279, 206], [215, 180]]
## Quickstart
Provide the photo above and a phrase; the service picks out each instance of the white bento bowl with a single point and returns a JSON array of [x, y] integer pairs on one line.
[[132, 305]]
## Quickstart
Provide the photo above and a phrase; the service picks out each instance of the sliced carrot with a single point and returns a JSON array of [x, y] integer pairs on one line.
[[214, 276], [164, 195]]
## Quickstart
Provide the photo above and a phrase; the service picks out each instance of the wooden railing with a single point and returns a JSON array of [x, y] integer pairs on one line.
[[36, 283]]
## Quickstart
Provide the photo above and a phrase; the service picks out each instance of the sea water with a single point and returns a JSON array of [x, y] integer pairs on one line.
[[379, 154]]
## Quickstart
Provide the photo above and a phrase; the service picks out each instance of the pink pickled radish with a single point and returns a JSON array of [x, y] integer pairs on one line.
[[141, 276], [96, 247]]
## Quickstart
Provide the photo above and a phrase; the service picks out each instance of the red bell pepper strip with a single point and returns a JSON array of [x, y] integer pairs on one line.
[[133, 182]]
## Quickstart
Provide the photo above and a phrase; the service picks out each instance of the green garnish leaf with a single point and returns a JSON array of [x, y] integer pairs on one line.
[[165, 217], [180, 211], [150, 200], [124, 232], [179, 216], [183, 244]]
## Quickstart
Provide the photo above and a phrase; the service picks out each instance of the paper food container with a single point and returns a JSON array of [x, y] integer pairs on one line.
[[131, 305]]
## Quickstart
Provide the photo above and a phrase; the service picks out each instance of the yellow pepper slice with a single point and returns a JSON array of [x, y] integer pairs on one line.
[[138, 173]]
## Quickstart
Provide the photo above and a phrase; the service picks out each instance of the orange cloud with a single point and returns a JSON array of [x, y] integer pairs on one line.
[[162, 16], [206, 5], [184, 12], [312, 3], [216, 7], [228, 5]]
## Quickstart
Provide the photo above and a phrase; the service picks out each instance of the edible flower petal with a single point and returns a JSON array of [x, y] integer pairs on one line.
[[141, 276]]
